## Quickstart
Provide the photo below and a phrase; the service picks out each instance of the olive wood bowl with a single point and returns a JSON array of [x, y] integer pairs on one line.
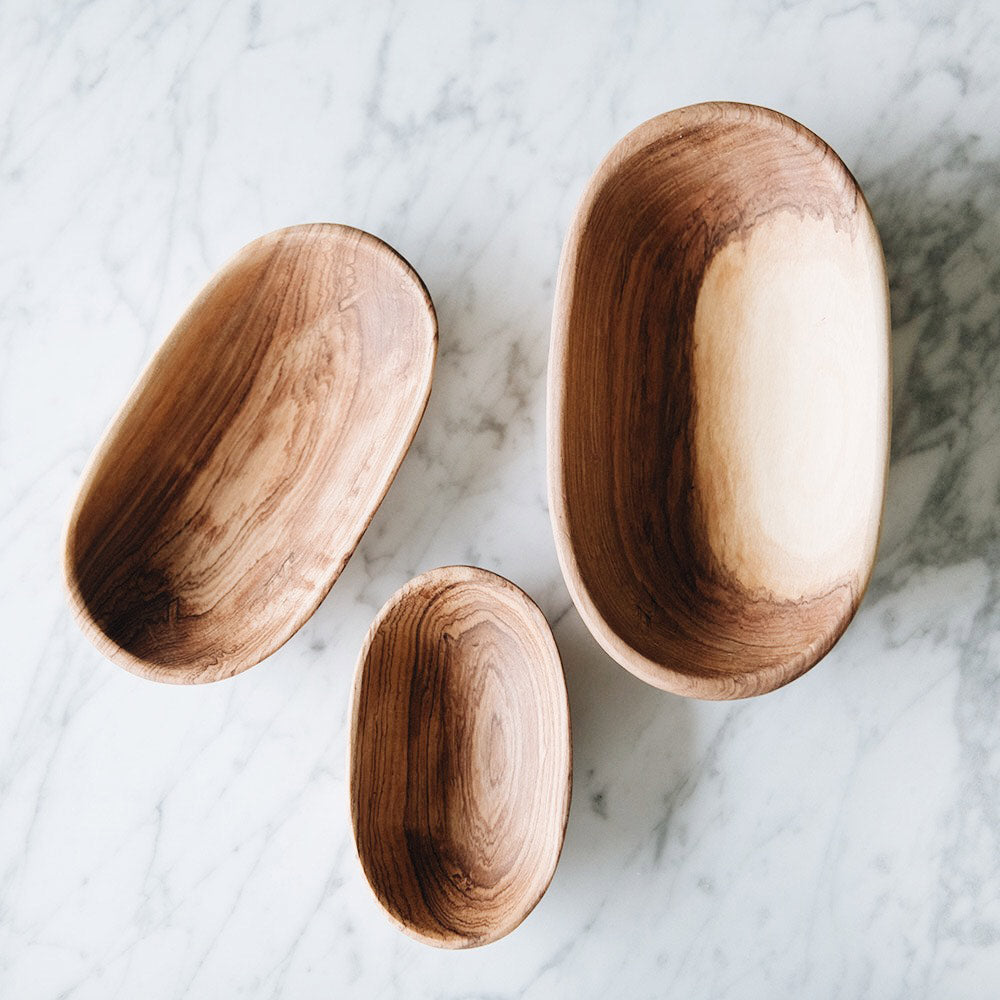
[[719, 400], [239, 475], [460, 760]]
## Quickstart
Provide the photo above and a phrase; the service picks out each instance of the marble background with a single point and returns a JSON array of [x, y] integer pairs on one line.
[[839, 838]]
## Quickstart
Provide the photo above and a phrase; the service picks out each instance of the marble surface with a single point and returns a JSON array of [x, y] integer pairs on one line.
[[838, 838]]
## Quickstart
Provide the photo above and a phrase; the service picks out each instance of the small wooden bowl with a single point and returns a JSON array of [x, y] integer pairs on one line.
[[236, 480], [460, 758], [719, 392]]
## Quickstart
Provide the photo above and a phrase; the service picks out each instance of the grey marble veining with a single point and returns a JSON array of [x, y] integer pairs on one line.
[[836, 839]]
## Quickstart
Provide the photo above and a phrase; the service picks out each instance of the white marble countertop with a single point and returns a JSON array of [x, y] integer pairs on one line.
[[838, 838]]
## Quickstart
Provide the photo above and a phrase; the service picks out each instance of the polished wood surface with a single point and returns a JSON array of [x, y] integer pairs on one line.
[[460, 759], [236, 480], [719, 401]]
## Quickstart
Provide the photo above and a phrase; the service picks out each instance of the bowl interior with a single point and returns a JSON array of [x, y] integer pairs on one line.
[[460, 758]]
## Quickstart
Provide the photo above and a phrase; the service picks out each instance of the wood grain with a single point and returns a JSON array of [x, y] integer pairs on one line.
[[460, 760], [236, 480], [719, 401]]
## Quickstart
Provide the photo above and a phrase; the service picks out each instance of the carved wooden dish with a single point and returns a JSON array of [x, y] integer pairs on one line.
[[719, 401], [460, 760], [240, 474]]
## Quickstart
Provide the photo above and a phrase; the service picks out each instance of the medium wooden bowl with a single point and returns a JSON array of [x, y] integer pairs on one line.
[[238, 477], [460, 759], [719, 401]]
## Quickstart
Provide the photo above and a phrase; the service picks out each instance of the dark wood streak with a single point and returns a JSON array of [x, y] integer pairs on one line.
[[460, 769], [237, 479], [624, 494]]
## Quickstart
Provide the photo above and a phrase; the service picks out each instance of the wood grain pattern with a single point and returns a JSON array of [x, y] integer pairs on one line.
[[236, 480], [460, 762], [719, 401]]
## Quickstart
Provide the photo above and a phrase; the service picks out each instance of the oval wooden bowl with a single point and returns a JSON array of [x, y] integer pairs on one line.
[[460, 759], [235, 482], [719, 401]]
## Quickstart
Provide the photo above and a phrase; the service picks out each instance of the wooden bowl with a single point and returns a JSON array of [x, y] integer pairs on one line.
[[460, 759], [238, 477], [719, 401]]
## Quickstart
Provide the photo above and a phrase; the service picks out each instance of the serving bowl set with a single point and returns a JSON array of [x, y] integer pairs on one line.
[[718, 439]]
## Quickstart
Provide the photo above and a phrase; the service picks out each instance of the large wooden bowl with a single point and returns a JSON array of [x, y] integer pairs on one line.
[[240, 474], [460, 759], [719, 400]]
